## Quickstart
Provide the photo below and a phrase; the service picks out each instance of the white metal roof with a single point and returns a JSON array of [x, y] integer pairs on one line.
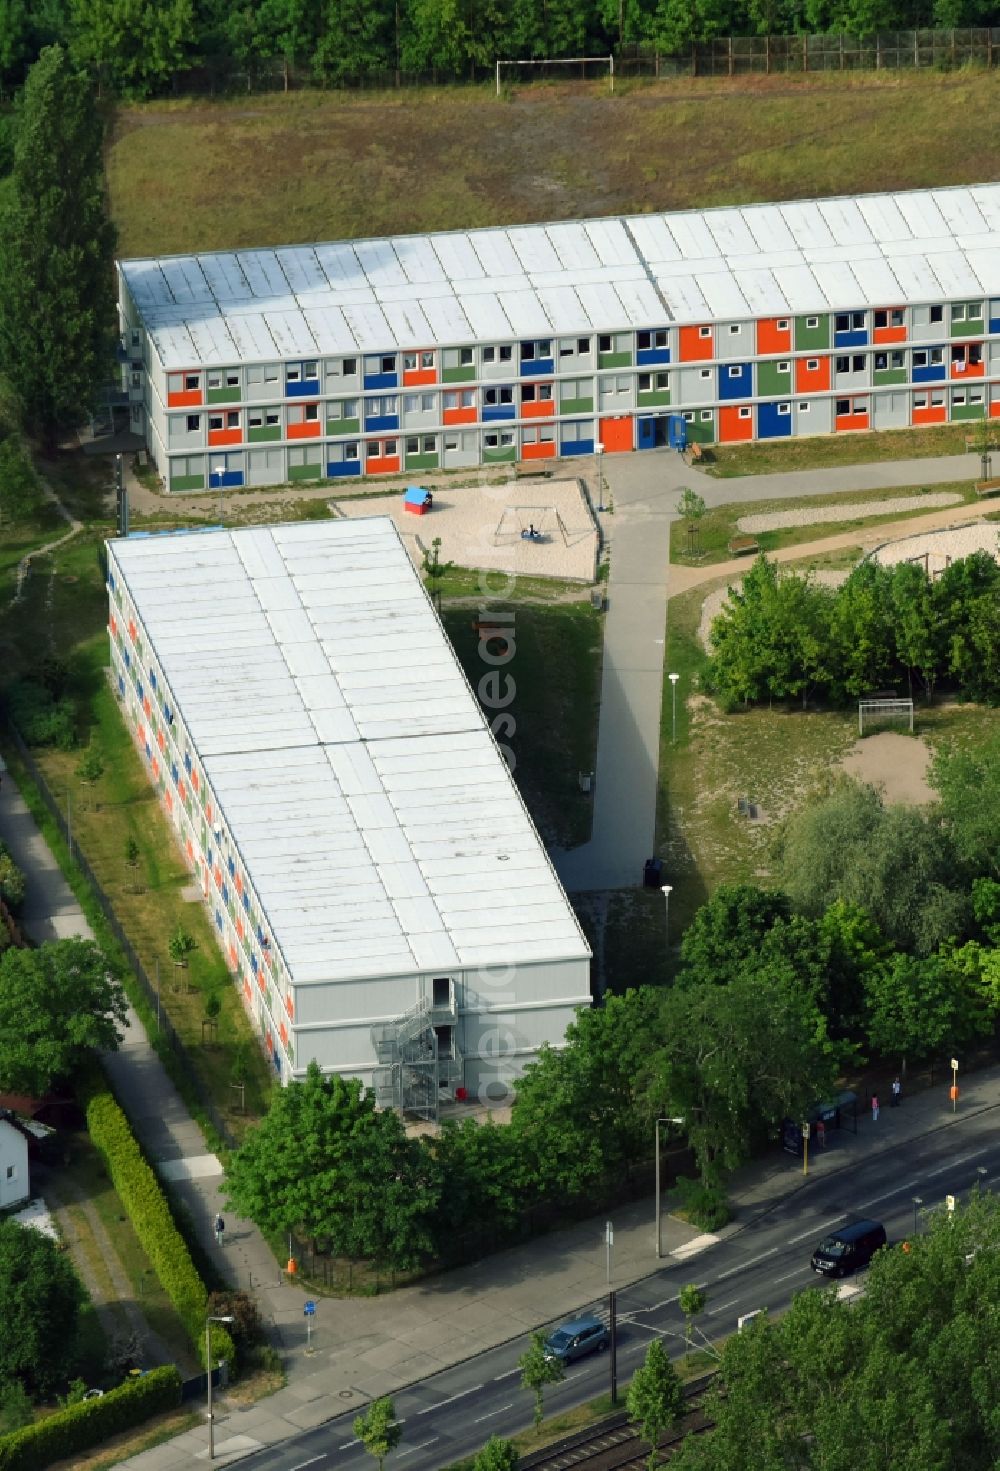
[[376, 818], [543, 280]]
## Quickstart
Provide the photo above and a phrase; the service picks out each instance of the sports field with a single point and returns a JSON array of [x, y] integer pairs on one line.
[[313, 165]]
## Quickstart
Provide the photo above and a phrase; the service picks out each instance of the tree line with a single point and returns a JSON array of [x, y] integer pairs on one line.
[[883, 939], [141, 48], [784, 637]]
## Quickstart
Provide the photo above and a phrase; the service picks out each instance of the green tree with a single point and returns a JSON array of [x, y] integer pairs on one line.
[[864, 651], [40, 1302], [655, 1400], [57, 309], [180, 945], [326, 1161], [15, 1407], [918, 1006], [90, 767], [20, 488], [131, 851], [691, 1301], [968, 782], [497, 1455], [58, 1005], [727, 928], [378, 1429], [134, 47], [12, 881], [917, 628], [538, 1369]]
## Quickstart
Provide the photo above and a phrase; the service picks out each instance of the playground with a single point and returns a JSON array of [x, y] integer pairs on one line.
[[526, 527]]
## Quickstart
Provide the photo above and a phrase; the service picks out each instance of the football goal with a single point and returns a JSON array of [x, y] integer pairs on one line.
[[875, 711]]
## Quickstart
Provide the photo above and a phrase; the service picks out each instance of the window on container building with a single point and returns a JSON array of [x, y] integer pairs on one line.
[[706, 416], [351, 451], [936, 314], [192, 381], [293, 373], [858, 362], [605, 343], [843, 406], [388, 364], [215, 421], [465, 357], [193, 423], [843, 365], [704, 332], [812, 323], [503, 395]]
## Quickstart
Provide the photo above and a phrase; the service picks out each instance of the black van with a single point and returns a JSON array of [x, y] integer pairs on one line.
[[848, 1248]]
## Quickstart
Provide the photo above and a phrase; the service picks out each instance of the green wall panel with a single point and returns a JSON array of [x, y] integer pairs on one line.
[[614, 360], [458, 375], [968, 411], [807, 338], [421, 462], [576, 405], [304, 472], [771, 383], [499, 456], [343, 426], [654, 398], [223, 395], [187, 482], [264, 435], [882, 376]]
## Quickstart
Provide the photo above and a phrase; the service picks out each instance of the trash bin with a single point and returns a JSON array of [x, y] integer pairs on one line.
[[652, 873], [597, 598]]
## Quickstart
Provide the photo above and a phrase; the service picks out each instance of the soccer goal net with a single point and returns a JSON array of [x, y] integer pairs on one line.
[[871, 712], [518, 521], [557, 68]]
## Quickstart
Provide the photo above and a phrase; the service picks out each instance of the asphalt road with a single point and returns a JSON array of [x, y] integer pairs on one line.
[[451, 1414]]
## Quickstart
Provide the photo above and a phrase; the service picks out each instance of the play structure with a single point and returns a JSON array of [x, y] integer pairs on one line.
[[529, 523], [417, 501]]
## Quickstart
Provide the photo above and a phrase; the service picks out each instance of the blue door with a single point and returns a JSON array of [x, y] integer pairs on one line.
[[647, 432], [677, 432]]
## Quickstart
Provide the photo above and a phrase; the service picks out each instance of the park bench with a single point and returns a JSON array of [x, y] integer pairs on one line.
[[987, 487], [697, 452], [742, 545]]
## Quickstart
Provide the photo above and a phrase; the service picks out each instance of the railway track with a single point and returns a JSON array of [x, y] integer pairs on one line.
[[615, 1445]]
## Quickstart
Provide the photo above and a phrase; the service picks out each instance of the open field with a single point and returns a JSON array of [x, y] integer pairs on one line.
[[827, 451], [719, 525], [316, 166]]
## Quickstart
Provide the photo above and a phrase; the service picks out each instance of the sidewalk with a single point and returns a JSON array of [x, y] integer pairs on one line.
[[370, 1347], [171, 1138]]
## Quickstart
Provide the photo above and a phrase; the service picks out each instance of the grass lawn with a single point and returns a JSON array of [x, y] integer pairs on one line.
[[429, 159], [775, 757], [827, 451], [718, 526]]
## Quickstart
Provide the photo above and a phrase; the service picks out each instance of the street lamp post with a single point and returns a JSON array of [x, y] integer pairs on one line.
[[666, 890], [659, 1235], [673, 707], [213, 1318], [598, 456], [219, 472], [918, 1201]]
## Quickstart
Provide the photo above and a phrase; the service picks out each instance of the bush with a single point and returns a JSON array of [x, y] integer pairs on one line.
[[147, 1209], [42, 718], [71, 1431], [704, 1205], [11, 881]]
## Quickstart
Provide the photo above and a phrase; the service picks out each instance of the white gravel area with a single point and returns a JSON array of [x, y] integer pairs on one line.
[[937, 548], [847, 511], [717, 600], [480, 527]]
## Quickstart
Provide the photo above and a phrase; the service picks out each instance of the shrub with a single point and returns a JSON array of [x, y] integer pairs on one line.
[[704, 1205], [147, 1209], [42, 719], [11, 881], [74, 1430]]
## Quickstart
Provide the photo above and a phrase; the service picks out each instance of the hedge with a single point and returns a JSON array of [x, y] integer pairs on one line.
[[147, 1209], [69, 1432]]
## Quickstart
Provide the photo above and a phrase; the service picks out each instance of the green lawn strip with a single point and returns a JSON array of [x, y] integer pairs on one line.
[[551, 684], [133, 1442], [718, 526], [824, 451], [87, 1169]]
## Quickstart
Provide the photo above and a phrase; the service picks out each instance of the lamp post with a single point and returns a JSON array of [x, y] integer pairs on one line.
[[598, 456], [673, 707], [219, 472], [666, 890], [918, 1201], [213, 1318], [659, 1236]]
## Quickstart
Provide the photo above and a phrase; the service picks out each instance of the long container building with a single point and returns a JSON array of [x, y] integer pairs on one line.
[[415, 353], [376, 885]]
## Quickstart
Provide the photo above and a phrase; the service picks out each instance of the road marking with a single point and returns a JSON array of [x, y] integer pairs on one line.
[[954, 1163], [785, 1278], [493, 1412], [815, 1230], [451, 1400], [690, 1248], [723, 1305], [421, 1447], [498, 1377], [347, 1445], [310, 1462], [743, 1265], [910, 1185]]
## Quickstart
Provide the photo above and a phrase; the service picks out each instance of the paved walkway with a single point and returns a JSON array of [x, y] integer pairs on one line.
[[171, 1138], [370, 1347]]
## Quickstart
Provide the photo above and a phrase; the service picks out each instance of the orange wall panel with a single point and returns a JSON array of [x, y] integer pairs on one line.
[[387, 465], [538, 451], [932, 414], [969, 370], [305, 430], [414, 377], [773, 339], [225, 436], [995, 409], [815, 381], [541, 409], [733, 429], [889, 334], [188, 398], [851, 421], [459, 416], [693, 348], [617, 434]]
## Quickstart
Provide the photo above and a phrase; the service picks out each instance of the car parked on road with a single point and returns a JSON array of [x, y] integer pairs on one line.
[[575, 1339], [848, 1248]]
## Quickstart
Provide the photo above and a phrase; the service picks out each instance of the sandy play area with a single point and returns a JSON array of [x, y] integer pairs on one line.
[[480, 526], [896, 763]]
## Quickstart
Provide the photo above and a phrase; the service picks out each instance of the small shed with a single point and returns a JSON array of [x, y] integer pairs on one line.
[[15, 1184], [417, 501]]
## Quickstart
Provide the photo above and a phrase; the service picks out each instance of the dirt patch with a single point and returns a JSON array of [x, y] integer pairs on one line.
[[896, 763]]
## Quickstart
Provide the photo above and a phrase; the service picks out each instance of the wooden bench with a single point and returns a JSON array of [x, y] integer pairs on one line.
[[741, 545], [987, 487], [696, 451]]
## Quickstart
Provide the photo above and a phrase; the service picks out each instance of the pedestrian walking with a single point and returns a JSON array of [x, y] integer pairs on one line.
[[897, 1090], [220, 1228], [820, 1134], [874, 1108]]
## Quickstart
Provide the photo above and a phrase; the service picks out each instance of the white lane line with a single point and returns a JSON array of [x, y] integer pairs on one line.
[[818, 1230], [422, 1446], [311, 1462], [723, 1305], [743, 1265], [787, 1275], [910, 1185], [493, 1412], [347, 1445], [451, 1400], [498, 1377], [954, 1163]]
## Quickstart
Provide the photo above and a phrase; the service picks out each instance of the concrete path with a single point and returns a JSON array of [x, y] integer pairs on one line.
[[158, 1114]]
